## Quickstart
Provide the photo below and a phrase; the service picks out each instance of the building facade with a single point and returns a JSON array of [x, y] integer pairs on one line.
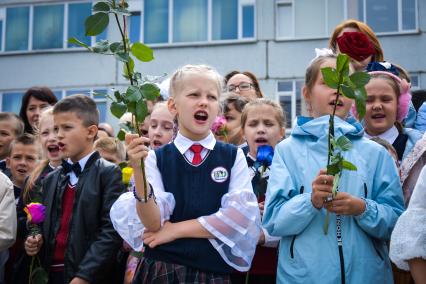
[[274, 39]]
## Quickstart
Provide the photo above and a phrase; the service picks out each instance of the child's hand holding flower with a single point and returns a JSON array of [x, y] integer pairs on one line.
[[136, 149]]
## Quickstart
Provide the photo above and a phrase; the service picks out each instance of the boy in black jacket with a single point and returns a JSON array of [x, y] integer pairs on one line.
[[78, 243]]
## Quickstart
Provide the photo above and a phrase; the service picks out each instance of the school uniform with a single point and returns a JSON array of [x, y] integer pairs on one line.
[[79, 240], [204, 184]]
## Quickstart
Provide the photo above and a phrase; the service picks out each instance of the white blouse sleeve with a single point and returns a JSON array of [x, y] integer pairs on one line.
[[236, 226], [123, 212], [408, 239]]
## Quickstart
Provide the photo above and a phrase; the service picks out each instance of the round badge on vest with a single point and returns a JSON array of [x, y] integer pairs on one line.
[[219, 174]]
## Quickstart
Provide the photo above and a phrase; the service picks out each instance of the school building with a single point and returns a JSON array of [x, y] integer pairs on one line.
[[274, 39]]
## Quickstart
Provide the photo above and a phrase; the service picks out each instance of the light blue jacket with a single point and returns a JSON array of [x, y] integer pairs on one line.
[[306, 254], [420, 123], [414, 135]]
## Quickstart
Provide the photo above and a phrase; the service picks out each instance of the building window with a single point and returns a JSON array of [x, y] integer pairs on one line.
[[1, 34], [225, 22], [11, 102], [176, 21], [318, 18], [39, 27], [248, 21], [156, 21], [385, 15], [77, 14], [48, 26], [289, 95], [415, 81], [135, 27], [17, 27]]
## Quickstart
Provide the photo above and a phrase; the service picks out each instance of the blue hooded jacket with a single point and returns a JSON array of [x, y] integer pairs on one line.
[[306, 254]]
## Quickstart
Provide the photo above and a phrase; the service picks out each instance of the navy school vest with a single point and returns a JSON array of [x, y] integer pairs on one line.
[[198, 191]]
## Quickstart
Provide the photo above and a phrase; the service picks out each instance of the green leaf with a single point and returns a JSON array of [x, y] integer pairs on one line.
[[142, 52], [342, 64], [122, 56], [116, 46], [118, 109], [141, 111], [333, 169], [348, 166], [118, 96], [102, 7], [360, 79], [131, 66], [75, 41], [344, 143], [150, 91], [133, 94], [348, 92], [121, 135], [131, 106], [39, 276], [101, 47], [360, 102], [96, 24], [330, 78]]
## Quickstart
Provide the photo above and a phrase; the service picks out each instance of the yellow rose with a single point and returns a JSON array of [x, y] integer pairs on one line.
[[127, 173]]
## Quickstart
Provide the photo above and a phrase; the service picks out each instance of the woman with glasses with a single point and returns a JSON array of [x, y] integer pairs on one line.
[[244, 84]]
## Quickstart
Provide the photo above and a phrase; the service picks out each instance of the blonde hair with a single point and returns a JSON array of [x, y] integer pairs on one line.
[[279, 114], [186, 70], [111, 145]]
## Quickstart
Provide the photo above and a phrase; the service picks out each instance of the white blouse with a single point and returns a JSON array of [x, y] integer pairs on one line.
[[408, 239], [236, 226]]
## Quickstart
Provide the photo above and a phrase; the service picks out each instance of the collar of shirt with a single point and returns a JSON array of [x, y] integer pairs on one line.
[[389, 135], [82, 162], [183, 143]]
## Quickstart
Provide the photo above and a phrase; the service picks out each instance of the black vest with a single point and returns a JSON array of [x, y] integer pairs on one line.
[[198, 191]]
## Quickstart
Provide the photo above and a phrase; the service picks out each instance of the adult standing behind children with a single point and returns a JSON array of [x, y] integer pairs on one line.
[[244, 84], [357, 40], [33, 102], [78, 243], [205, 220]]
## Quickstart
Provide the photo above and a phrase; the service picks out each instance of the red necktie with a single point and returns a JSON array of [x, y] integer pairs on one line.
[[196, 149]]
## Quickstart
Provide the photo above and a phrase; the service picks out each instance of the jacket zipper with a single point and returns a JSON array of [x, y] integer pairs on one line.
[[302, 188], [340, 246], [365, 190]]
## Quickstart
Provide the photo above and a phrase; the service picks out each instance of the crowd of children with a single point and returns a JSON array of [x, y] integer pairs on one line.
[[246, 205]]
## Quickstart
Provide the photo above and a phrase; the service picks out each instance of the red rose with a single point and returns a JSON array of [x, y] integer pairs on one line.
[[355, 44]]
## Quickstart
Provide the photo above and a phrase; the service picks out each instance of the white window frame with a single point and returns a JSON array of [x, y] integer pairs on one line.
[[209, 41], [292, 94], [31, 27], [419, 83], [345, 17]]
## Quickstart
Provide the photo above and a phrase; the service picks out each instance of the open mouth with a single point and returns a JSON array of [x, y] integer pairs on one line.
[[339, 103], [201, 116], [261, 140], [157, 143], [378, 116], [53, 149], [22, 171], [61, 146]]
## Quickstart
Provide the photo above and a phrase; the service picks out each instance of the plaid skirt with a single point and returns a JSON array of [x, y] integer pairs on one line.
[[159, 272]]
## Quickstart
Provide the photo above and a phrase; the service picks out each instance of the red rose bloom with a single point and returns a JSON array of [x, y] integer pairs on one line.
[[355, 44]]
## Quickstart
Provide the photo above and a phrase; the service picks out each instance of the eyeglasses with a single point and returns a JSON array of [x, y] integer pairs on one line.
[[242, 87]]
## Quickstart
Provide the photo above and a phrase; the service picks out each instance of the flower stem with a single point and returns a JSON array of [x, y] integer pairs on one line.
[[31, 270], [135, 123]]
